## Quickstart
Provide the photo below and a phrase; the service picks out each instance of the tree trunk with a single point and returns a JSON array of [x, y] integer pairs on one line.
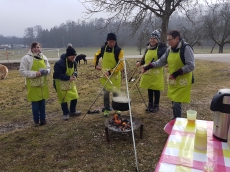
[[213, 47], [221, 47], [164, 28]]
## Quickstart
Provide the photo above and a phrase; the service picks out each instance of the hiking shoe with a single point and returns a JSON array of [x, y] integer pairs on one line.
[[77, 113], [36, 124], [150, 106], [106, 113], [154, 109], [118, 112], [65, 117], [43, 122], [92, 112], [103, 109]]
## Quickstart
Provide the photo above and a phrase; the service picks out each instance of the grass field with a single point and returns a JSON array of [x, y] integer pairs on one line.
[[90, 51], [79, 145]]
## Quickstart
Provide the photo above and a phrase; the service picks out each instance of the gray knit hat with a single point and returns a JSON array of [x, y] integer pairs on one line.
[[156, 34]]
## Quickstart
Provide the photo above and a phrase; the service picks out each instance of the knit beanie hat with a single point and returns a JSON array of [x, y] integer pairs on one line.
[[70, 51], [111, 36], [156, 34]]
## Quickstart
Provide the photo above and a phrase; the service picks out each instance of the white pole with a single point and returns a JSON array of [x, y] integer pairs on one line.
[[130, 113], [58, 53]]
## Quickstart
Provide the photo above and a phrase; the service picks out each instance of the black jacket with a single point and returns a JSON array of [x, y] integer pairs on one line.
[[161, 50], [117, 50], [60, 68]]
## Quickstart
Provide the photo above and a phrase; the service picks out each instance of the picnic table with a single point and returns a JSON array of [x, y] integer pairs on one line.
[[179, 154]]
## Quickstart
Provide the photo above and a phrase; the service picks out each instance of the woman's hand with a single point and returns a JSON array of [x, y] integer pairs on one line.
[[72, 78], [138, 64], [38, 74]]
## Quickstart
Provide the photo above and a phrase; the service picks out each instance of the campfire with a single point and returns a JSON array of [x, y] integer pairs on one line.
[[119, 123]]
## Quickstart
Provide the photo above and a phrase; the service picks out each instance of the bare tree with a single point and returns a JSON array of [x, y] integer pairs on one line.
[[193, 35], [29, 35], [142, 40], [139, 12], [37, 31], [217, 24]]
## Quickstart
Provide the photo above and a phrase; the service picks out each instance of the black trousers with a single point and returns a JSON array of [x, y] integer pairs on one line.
[[156, 96]]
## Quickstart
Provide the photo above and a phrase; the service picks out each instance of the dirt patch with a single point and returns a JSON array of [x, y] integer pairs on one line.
[[12, 126], [12, 66]]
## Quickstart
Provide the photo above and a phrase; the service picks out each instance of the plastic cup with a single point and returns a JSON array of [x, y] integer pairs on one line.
[[191, 116], [200, 142]]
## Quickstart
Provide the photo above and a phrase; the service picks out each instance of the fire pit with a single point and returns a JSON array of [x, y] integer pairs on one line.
[[122, 124]]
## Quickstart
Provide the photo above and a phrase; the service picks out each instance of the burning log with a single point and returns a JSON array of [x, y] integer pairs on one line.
[[120, 123]]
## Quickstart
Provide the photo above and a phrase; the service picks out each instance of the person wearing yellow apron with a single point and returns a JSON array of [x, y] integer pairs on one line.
[[153, 80], [112, 65], [180, 71], [35, 67], [65, 73]]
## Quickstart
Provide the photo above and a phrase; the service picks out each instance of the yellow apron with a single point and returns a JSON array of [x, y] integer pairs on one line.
[[152, 79], [109, 63], [37, 88], [179, 90], [66, 90]]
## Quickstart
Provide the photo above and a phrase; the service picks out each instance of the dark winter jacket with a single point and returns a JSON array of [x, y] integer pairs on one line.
[[60, 68], [161, 50], [117, 50]]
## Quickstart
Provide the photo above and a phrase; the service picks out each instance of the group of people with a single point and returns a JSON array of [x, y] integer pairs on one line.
[[35, 67], [180, 59]]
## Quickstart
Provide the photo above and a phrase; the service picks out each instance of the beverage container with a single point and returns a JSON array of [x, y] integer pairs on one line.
[[191, 116], [200, 142]]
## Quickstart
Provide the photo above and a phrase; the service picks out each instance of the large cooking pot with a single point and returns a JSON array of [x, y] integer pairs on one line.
[[120, 103]]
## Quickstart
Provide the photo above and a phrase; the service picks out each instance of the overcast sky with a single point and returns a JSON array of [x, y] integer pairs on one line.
[[17, 15]]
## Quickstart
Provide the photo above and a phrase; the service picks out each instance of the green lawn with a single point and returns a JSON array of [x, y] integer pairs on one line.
[[79, 145]]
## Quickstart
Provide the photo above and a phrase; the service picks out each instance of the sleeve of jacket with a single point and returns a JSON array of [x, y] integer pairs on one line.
[[97, 56], [162, 61], [189, 60], [59, 72], [161, 49], [25, 69], [120, 66], [47, 64]]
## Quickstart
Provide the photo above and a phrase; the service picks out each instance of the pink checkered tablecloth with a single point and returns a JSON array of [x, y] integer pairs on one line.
[[179, 154]]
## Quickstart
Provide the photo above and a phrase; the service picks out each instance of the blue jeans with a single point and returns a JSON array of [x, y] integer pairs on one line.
[[38, 110], [65, 109], [177, 110]]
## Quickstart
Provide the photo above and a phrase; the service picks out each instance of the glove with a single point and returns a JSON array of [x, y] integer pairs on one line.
[[177, 73], [149, 66], [44, 72], [75, 74]]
